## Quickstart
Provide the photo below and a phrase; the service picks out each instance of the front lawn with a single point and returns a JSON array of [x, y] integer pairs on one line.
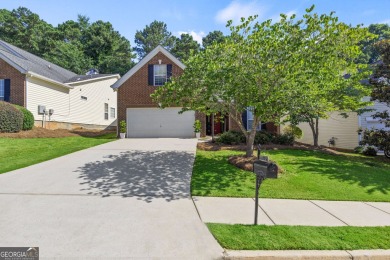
[[307, 175], [246, 237], [19, 153]]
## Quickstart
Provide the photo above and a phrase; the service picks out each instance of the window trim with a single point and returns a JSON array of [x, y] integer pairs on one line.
[[106, 111], [154, 74], [112, 109]]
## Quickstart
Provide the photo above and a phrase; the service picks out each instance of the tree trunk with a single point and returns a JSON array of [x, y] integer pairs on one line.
[[314, 129], [250, 139], [249, 143], [212, 127]]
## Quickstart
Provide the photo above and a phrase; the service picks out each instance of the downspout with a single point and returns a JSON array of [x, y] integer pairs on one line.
[[25, 92], [359, 126]]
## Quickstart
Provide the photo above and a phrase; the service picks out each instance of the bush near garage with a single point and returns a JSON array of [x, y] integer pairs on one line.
[[11, 118], [262, 137], [28, 118]]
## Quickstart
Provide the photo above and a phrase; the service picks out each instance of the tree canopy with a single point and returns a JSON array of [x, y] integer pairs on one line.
[[381, 93], [185, 46], [75, 45], [151, 36], [370, 53], [211, 37], [264, 66]]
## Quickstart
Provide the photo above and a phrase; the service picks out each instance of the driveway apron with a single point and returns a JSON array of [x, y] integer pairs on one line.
[[126, 199]]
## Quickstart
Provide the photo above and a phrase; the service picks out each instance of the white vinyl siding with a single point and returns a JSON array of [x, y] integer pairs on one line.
[[366, 119], [68, 105], [343, 129]]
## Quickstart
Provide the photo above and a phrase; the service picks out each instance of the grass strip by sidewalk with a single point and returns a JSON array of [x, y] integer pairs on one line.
[[307, 175], [19, 153], [248, 237]]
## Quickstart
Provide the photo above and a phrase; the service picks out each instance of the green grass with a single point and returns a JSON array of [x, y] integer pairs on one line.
[[19, 153], [245, 237], [307, 175]]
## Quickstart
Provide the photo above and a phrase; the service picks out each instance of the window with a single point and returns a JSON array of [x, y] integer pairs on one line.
[[112, 112], [84, 98], [2, 89], [105, 111], [250, 120], [160, 74]]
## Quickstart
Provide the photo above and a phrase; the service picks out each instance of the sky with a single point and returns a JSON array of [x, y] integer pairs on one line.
[[196, 17]]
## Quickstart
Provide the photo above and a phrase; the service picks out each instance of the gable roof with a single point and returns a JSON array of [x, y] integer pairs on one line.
[[144, 61], [34, 66], [28, 62]]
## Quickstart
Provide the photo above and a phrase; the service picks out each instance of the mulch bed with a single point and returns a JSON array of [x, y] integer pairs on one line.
[[39, 132], [246, 163], [210, 146]]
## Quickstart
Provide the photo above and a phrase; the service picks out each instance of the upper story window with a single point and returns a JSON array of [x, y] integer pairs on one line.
[[2, 89], [160, 74]]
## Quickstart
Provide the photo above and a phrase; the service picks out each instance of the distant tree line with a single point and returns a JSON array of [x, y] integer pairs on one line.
[[80, 45]]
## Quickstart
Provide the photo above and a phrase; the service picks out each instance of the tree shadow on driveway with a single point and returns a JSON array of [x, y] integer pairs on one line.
[[141, 174]]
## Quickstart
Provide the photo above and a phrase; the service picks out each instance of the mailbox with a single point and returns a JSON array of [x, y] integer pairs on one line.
[[265, 169]]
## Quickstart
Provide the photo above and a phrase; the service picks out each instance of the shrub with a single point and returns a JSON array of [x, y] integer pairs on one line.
[[370, 151], [294, 131], [122, 126], [263, 137], [283, 139], [11, 118], [358, 149], [227, 138], [231, 137], [197, 126], [28, 118], [239, 136]]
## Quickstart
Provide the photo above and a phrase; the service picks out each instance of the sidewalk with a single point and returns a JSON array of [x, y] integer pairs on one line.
[[293, 212]]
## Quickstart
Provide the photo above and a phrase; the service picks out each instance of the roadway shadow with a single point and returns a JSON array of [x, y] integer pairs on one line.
[[142, 174]]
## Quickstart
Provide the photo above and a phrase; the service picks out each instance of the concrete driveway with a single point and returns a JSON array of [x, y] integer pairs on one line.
[[125, 199]]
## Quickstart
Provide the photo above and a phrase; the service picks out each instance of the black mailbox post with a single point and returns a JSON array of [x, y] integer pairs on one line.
[[263, 169]]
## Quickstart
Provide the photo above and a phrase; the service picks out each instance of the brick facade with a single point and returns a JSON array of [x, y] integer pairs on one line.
[[18, 81], [135, 92]]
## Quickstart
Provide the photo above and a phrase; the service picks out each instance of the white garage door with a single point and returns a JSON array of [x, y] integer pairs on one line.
[[155, 122]]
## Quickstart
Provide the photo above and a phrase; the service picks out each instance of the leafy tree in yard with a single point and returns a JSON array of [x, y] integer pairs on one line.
[[328, 78], [214, 36], [381, 92], [151, 36], [262, 66], [185, 46]]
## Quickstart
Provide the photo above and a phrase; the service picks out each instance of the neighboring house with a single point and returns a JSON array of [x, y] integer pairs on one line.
[[144, 117], [58, 98], [367, 121], [343, 131]]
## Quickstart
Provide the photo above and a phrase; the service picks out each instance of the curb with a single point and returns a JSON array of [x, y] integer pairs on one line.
[[307, 254]]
